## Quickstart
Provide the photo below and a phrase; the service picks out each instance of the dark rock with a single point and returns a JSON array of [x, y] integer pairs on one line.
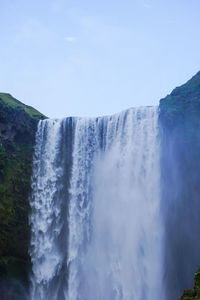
[[17, 138], [180, 168]]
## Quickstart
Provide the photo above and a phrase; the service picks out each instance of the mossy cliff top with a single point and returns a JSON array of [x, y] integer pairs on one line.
[[184, 101], [16, 104], [18, 124]]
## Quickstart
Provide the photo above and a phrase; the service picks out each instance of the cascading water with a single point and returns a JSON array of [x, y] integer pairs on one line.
[[96, 228]]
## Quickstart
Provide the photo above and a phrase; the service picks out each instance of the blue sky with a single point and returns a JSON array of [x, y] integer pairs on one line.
[[92, 57]]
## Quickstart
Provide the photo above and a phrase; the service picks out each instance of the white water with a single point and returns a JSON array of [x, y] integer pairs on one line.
[[99, 239]]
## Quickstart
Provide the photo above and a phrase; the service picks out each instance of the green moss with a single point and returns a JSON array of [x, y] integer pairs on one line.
[[15, 268], [14, 208], [18, 124], [14, 103], [193, 294]]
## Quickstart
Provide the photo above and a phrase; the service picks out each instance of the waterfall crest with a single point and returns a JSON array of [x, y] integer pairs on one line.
[[96, 228]]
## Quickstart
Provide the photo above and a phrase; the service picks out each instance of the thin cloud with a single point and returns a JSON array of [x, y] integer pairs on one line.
[[70, 39]]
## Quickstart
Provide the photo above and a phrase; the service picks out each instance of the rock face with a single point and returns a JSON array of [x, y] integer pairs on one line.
[[18, 124], [180, 163]]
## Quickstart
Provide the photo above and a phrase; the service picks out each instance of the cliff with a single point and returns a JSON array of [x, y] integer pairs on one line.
[[182, 106], [179, 121], [180, 178], [18, 124]]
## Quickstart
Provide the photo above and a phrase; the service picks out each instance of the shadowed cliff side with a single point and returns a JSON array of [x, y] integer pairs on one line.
[[180, 167], [18, 124]]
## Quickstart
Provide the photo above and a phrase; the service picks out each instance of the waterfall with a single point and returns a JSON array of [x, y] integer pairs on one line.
[[95, 220]]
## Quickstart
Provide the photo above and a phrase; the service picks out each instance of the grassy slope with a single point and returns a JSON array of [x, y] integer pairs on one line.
[[182, 99], [14, 103]]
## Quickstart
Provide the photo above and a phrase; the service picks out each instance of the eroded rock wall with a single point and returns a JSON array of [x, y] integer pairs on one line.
[[17, 138], [180, 167]]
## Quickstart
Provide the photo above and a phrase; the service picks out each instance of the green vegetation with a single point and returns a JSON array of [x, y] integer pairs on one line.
[[18, 124], [193, 294], [14, 103]]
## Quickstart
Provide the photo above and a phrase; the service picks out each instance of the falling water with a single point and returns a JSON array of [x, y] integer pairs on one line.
[[96, 230]]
